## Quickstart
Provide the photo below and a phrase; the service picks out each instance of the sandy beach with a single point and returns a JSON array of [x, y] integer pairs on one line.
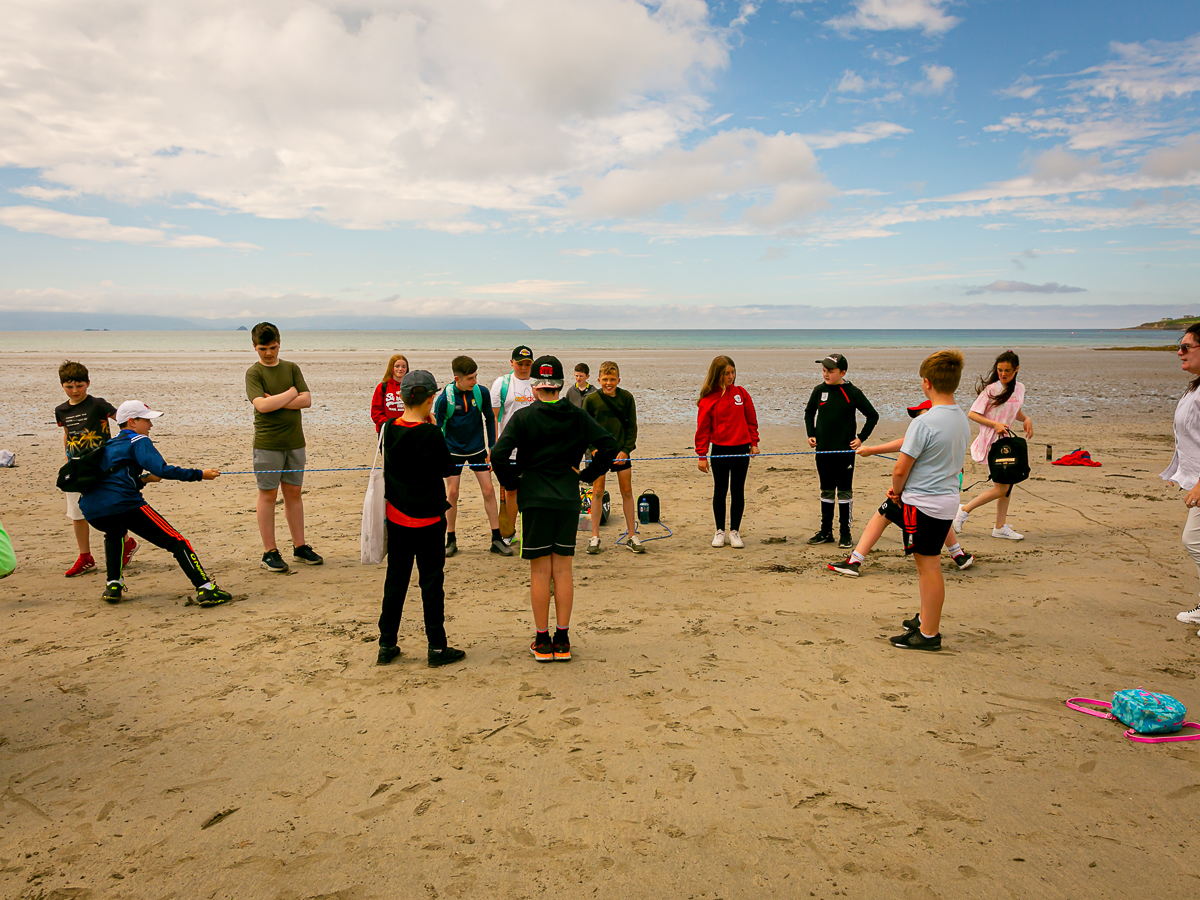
[[733, 723]]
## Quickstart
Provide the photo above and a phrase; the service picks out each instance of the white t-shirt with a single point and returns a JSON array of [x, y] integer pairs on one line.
[[938, 442], [1005, 413], [1184, 469], [518, 396]]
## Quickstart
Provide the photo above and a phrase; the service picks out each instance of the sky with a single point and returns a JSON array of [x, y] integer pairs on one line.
[[604, 163]]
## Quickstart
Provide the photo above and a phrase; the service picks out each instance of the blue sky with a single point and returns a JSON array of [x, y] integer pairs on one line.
[[783, 163]]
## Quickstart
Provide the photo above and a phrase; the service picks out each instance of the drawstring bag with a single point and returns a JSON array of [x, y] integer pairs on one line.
[[1146, 713], [373, 539]]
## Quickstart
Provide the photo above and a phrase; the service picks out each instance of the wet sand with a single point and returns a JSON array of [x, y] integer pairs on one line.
[[733, 722]]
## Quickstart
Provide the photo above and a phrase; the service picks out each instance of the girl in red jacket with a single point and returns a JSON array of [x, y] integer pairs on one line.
[[726, 421], [386, 404]]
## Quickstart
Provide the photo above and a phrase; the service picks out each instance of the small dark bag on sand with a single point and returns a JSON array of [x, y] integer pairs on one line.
[[82, 474], [1008, 460]]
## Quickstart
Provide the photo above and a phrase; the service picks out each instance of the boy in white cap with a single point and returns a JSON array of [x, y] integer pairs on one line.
[[116, 505]]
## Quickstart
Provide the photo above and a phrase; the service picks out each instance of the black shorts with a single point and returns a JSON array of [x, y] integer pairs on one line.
[[836, 471], [546, 531], [475, 459], [923, 534], [619, 464]]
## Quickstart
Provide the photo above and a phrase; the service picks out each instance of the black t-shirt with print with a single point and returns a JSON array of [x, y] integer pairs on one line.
[[86, 423]]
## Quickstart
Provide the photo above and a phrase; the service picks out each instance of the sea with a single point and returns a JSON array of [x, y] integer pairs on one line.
[[581, 339]]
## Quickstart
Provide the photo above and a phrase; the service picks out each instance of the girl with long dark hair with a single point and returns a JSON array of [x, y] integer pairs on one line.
[[726, 422], [994, 411]]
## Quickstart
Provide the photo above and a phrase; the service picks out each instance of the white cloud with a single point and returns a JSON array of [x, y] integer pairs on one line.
[[422, 111], [1146, 72], [747, 10], [863, 134], [1023, 287], [1023, 88], [1178, 161], [902, 15], [526, 286], [94, 228], [851, 83], [937, 79], [1059, 166]]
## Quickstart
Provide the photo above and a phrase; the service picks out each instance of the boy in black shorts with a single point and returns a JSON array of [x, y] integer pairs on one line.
[[464, 413], [890, 513], [549, 438], [830, 421], [925, 487]]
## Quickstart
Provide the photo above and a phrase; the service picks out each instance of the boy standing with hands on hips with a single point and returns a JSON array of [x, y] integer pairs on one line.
[[278, 391], [830, 421]]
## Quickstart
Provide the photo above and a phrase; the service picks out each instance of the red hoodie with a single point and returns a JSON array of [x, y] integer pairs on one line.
[[386, 403], [726, 419]]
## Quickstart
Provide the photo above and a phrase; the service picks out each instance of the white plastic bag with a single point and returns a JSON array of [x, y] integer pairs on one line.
[[373, 541]]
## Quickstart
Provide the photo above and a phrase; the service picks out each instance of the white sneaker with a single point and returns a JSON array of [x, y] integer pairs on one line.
[[735, 541], [1007, 533], [635, 543], [719, 539], [593, 546], [960, 519], [1191, 615]]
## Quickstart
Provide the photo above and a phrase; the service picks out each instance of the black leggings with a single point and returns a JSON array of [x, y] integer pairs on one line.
[[727, 473], [427, 547], [149, 525]]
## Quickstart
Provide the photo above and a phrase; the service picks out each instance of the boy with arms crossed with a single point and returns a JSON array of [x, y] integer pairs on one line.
[[84, 421], [464, 413], [616, 412], [548, 439], [830, 420], [509, 393], [278, 391], [925, 488]]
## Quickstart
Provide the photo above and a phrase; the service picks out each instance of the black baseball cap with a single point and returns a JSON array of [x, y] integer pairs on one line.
[[547, 372], [522, 354], [417, 387], [834, 361]]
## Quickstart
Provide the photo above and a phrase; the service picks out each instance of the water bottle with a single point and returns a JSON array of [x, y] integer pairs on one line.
[[643, 510]]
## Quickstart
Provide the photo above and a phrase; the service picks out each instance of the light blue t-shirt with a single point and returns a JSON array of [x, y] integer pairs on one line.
[[938, 442]]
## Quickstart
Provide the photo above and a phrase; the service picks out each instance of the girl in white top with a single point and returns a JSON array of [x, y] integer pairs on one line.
[[1184, 469], [994, 410]]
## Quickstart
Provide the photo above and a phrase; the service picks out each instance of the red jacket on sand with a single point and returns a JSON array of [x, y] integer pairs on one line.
[[726, 419], [386, 403]]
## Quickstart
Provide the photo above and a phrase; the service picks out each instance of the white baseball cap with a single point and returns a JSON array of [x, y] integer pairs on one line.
[[135, 409]]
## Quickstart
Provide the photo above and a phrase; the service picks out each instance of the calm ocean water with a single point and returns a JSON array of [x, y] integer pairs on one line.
[[711, 339]]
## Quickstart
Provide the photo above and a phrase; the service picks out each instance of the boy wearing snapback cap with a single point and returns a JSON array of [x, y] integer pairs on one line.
[[830, 421], [117, 507], [538, 452], [510, 393]]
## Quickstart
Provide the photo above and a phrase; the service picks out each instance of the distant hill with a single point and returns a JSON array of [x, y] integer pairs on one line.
[[29, 320], [1166, 324]]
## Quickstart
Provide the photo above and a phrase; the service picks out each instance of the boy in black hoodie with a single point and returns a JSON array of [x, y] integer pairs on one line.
[[549, 438], [830, 421], [415, 460]]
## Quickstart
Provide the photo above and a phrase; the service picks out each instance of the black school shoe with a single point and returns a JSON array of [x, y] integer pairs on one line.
[[451, 547], [846, 542], [821, 537], [387, 655], [914, 640], [305, 554], [444, 656]]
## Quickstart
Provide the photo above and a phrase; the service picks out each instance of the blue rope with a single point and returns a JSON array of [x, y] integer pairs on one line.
[[632, 459]]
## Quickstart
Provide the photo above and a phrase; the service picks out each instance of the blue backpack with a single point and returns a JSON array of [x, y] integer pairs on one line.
[[1145, 712]]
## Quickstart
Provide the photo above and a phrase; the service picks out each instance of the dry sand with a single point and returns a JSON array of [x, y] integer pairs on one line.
[[733, 723]]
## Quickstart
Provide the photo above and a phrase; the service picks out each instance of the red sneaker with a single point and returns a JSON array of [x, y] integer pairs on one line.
[[82, 566], [131, 547]]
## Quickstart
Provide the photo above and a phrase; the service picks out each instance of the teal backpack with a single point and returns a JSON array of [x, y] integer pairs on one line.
[[1151, 717], [452, 402]]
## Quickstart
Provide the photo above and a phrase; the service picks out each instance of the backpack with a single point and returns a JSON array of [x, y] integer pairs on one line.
[[647, 507], [1145, 712], [1008, 460], [504, 383], [83, 473], [452, 404]]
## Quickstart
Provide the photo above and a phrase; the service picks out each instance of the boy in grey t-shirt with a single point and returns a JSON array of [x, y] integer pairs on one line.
[[925, 483]]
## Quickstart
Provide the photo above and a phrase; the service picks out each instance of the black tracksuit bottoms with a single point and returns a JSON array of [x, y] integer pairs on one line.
[[729, 476], [427, 547], [149, 525]]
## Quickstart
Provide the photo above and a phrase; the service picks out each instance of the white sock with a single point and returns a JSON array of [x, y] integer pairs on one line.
[[207, 586], [956, 549], [929, 636], [116, 582], [857, 557]]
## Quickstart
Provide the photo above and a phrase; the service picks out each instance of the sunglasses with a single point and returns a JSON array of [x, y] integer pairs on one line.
[[1184, 348]]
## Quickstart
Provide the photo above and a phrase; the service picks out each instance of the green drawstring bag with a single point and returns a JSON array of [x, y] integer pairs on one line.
[[8, 559]]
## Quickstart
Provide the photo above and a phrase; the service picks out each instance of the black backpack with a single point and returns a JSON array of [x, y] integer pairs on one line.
[[84, 473], [647, 507], [1008, 460]]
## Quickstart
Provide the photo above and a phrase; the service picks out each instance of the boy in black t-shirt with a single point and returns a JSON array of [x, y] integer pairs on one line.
[[830, 421], [549, 437], [84, 421]]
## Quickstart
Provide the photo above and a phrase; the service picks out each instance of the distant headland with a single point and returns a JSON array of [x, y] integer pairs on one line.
[[1179, 324]]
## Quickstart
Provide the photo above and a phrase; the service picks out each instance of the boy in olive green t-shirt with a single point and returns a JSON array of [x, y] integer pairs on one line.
[[278, 391]]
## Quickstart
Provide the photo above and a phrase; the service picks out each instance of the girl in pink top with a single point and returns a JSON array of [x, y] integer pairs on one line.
[[726, 422], [994, 410]]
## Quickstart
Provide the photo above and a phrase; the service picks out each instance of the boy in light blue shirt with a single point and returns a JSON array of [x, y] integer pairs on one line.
[[925, 484]]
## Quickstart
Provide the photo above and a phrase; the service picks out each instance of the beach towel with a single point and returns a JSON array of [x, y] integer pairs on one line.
[[1076, 458]]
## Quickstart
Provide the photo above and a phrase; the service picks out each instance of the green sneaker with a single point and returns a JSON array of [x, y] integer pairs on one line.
[[113, 591], [212, 596]]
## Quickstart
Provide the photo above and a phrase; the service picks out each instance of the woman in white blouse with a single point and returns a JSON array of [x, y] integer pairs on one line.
[[1184, 469]]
